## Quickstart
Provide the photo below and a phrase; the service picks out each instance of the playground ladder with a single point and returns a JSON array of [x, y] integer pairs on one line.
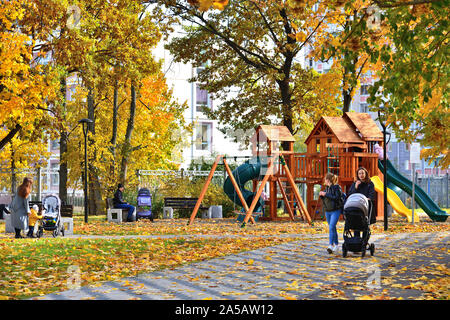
[[333, 159]]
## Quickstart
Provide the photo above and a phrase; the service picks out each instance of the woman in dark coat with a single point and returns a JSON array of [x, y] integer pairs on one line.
[[20, 208], [363, 185], [330, 198]]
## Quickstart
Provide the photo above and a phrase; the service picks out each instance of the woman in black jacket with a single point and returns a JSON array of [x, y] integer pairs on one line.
[[330, 198], [362, 185]]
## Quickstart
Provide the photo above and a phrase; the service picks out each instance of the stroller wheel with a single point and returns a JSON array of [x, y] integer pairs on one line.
[[55, 233], [372, 249], [363, 251], [62, 231], [344, 250]]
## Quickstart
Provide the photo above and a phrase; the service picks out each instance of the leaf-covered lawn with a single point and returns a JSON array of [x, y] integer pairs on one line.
[[32, 267], [230, 226]]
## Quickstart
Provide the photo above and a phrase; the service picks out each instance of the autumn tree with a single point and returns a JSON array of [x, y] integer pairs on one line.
[[248, 60], [108, 52], [356, 32], [26, 89], [413, 82]]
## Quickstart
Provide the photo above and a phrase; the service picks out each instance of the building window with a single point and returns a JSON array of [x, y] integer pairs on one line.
[[54, 144], [55, 176], [203, 136], [364, 108], [318, 145], [364, 89], [202, 99]]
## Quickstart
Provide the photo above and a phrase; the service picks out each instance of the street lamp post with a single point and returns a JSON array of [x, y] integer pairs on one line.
[[383, 125], [85, 123]]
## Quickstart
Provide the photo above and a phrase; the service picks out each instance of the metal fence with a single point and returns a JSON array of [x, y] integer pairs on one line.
[[151, 178], [437, 188], [47, 182]]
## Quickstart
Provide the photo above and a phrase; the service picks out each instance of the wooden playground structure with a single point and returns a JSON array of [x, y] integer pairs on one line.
[[336, 144]]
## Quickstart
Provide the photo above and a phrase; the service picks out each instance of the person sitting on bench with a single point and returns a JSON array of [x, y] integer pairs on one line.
[[120, 204]]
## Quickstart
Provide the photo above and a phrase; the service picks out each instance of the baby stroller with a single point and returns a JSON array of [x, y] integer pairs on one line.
[[144, 204], [51, 216], [357, 213]]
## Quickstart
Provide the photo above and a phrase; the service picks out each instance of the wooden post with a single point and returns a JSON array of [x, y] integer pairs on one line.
[[205, 187], [236, 187], [296, 192], [273, 199], [258, 194], [286, 200]]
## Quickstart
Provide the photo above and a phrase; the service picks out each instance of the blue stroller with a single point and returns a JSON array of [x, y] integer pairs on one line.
[[144, 204]]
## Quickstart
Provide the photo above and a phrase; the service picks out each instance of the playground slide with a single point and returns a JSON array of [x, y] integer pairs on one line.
[[245, 172], [421, 197], [394, 200]]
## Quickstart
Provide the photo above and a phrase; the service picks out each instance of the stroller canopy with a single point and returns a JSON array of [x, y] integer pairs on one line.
[[51, 204], [144, 192], [357, 201], [144, 198]]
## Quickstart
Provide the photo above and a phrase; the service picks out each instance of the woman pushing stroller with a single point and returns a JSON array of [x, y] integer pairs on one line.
[[362, 185]]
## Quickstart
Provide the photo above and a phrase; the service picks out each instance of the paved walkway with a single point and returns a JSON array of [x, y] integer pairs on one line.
[[297, 269]]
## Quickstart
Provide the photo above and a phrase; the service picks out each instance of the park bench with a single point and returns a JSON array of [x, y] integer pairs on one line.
[[179, 203], [114, 214]]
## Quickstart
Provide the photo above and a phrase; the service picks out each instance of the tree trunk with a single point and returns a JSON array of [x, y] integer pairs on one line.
[[112, 168], [13, 171], [95, 198], [287, 111], [126, 150], [9, 136], [63, 149], [63, 171], [346, 94]]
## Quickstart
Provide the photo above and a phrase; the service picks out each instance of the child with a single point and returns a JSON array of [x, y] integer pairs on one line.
[[32, 218]]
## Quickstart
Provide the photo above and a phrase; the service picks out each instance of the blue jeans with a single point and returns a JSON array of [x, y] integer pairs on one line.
[[332, 219], [129, 207]]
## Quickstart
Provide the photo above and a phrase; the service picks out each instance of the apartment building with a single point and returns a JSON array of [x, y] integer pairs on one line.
[[207, 140]]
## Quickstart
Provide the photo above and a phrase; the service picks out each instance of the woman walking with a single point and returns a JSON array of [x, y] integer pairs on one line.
[[20, 208], [330, 198], [365, 186]]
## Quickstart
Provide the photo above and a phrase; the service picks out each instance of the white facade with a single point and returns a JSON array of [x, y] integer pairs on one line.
[[206, 141]]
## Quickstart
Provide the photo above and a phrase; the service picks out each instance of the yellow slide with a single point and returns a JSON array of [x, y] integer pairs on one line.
[[394, 200]]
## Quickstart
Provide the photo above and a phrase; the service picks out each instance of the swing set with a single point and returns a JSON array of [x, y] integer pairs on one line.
[[278, 175]]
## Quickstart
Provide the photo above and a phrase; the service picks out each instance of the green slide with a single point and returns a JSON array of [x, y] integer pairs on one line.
[[421, 197], [250, 170]]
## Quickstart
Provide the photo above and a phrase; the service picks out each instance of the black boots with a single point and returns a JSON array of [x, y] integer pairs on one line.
[[18, 235]]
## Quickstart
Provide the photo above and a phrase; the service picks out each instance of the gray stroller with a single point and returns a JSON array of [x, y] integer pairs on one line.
[[51, 216], [357, 213]]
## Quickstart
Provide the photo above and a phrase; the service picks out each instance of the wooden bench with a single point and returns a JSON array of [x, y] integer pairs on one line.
[[180, 203]]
